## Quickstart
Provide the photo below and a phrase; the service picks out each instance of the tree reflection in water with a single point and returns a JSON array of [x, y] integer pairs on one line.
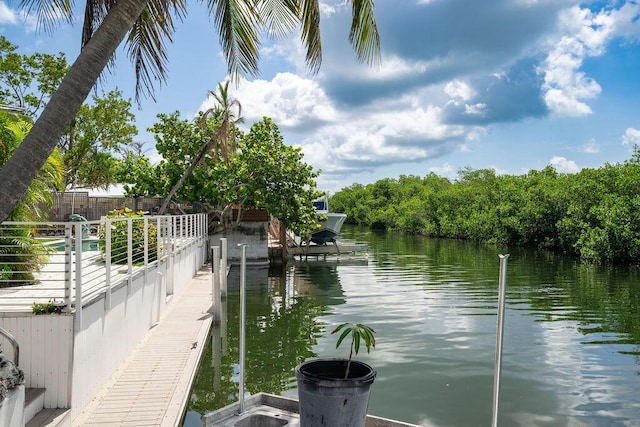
[[281, 331]]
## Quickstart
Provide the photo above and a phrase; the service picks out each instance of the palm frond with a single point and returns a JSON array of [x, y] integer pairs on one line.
[[280, 17], [146, 43], [238, 23], [310, 17], [48, 13], [364, 36]]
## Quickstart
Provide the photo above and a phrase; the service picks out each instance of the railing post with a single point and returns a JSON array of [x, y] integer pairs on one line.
[[243, 281], [171, 235], [146, 244], [215, 298], [223, 266], [174, 234], [78, 248], [107, 262], [68, 265], [159, 240], [129, 252]]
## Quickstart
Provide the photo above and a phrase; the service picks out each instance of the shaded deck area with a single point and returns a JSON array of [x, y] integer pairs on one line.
[[150, 388]]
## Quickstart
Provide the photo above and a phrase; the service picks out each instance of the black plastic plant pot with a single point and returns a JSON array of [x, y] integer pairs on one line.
[[327, 399]]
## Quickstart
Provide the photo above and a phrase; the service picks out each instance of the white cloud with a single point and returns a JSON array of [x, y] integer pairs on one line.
[[590, 147], [430, 100], [475, 109], [563, 165], [563, 104], [326, 10], [460, 90], [443, 170], [631, 136], [582, 34], [354, 138], [7, 15], [290, 100]]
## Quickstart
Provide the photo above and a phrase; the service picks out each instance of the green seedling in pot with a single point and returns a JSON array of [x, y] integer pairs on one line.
[[358, 332]]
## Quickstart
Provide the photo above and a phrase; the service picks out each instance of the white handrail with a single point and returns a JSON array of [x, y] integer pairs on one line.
[[14, 344]]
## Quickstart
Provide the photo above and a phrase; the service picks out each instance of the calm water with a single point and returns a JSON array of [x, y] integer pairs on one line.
[[87, 245], [571, 340]]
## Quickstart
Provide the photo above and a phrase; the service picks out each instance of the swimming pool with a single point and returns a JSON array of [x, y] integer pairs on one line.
[[88, 244]]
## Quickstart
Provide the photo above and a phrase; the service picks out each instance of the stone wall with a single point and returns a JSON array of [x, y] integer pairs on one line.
[[255, 234]]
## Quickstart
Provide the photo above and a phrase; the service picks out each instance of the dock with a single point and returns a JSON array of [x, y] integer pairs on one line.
[[151, 386], [328, 249]]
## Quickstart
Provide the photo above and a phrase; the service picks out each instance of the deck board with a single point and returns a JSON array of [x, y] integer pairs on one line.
[[150, 387]]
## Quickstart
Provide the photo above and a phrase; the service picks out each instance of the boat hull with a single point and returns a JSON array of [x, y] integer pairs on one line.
[[329, 229]]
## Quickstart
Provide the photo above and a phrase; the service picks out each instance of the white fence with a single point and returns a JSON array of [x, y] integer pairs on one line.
[[44, 262], [111, 280]]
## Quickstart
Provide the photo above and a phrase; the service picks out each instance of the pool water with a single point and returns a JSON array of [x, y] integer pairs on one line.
[[90, 244]]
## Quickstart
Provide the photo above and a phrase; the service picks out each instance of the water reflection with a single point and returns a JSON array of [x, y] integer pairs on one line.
[[571, 344], [282, 327]]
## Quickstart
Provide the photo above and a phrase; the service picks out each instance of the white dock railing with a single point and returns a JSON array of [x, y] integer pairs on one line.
[[112, 280], [70, 264]]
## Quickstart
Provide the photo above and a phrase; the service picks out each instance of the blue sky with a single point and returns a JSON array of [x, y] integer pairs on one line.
[[512, 85]]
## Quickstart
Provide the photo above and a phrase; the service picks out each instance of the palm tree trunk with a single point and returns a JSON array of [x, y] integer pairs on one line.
[[203, 150], [23, 166]]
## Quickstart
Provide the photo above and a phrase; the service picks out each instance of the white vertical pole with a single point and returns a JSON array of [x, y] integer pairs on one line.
[[68, 264], [78, 243], [107, 262], [223, 266], [129, 253], [502, 287], [243, 268], [215, 298], [146, 244]]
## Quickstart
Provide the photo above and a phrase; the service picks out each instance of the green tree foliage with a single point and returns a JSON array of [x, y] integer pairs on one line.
[[120, 237], [96, 140], [20, 253], [136, 168], [271, 175], [219, 122], [27, 82], [38, 200], [93, 143], [240, 25], [593, 214], [262, 173]]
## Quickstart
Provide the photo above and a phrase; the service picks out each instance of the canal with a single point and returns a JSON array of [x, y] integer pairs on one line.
[[571, 353]]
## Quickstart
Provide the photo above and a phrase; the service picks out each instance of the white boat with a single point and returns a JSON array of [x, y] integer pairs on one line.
[[329, 228]]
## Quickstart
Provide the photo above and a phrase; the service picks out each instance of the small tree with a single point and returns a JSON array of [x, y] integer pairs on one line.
[[27, 82], [264, 173], [358, 332], [96, 141]]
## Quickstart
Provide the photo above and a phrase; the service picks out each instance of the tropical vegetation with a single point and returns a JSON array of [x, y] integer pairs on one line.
[[593, 214], [260, 172], [358, 332], [101, 133], [148, 23], [142, 238], [20, 252]]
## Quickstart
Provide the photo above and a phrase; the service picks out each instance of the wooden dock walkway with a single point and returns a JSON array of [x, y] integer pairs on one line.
[[151, 387]]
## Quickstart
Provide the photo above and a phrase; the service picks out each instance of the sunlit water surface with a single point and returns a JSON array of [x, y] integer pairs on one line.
[[571, 340]]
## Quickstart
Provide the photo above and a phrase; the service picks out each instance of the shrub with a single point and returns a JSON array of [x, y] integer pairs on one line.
[[119, 231]]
